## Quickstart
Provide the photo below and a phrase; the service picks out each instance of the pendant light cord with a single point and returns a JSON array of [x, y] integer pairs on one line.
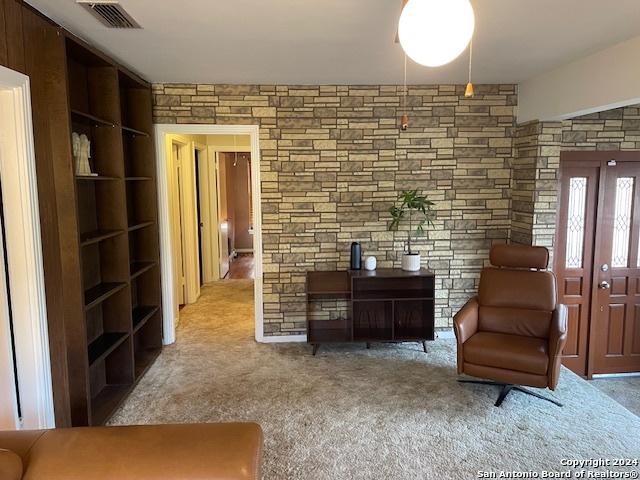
[[470, 57], [404, 96]]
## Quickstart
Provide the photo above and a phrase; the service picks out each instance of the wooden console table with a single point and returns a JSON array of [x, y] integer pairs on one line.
[[384, 305]]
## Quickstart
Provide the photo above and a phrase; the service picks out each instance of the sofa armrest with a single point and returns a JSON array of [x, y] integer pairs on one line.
[[465, 322], [229, 451], [10, 465], [557, 340]]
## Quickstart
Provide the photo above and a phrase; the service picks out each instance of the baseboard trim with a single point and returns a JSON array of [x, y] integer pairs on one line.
[[283, 339], [445, 334], [615, 375]]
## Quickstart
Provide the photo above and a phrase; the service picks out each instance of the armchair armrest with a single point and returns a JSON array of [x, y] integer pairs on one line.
[[557, 340], [558, 330], [465, 322]]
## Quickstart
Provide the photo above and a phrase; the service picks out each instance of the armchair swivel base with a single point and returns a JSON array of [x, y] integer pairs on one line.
[[507, 388]]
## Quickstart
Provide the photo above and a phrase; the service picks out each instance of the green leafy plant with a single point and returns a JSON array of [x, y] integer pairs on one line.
[[417, 209]]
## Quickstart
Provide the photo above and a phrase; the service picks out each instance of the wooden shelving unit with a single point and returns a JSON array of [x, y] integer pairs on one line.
[[118, 232], [385, 305]]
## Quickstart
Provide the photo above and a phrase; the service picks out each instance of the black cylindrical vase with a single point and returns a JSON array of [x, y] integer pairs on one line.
[[356, 256]]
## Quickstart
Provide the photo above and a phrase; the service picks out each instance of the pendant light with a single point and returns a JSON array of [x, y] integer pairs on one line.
[[435, 32], [404, 121], [235, 150], [468, 92]]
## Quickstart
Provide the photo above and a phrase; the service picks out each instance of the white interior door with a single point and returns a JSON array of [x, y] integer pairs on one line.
[[208, 208], [178, 249], [223, 222], [9, 416]]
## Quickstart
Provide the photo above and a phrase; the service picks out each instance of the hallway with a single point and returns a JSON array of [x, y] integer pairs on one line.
[[242, 267]]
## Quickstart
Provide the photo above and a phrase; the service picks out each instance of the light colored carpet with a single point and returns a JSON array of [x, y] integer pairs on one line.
[[391, 412], [624, 390]]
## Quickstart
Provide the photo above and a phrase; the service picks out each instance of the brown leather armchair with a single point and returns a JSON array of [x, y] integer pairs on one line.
[[513, 332], [229, 451]]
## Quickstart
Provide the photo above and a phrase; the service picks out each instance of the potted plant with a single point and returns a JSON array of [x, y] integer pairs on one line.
[[417, 209]]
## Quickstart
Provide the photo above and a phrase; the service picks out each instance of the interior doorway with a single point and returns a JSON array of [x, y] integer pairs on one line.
[[597, 260], [211, 207]]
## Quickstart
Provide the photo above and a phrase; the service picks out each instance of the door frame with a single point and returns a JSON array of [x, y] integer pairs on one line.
[[168, 299], [24, 248], [592, 158]]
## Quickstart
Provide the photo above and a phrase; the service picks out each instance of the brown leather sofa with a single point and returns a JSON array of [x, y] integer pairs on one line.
[[229, 451], [513, 331]]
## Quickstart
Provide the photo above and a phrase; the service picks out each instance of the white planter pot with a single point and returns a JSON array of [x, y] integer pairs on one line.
[[411, 262]]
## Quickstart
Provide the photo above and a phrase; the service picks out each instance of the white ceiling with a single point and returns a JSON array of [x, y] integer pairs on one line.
[[341, 41]]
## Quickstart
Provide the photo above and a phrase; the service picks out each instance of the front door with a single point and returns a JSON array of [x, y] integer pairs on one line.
[[597, 260]]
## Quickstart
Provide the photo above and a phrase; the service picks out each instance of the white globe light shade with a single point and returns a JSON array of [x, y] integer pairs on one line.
[[434, 32]]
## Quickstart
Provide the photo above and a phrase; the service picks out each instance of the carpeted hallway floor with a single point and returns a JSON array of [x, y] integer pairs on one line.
[[391, 412]]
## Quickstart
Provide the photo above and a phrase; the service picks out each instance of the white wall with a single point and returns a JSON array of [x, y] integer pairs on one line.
[[606, 79]]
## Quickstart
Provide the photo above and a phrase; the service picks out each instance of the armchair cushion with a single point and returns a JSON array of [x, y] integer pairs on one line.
[[511, 352]]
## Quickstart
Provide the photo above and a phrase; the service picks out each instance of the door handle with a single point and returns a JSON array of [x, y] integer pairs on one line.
[[604, 285]]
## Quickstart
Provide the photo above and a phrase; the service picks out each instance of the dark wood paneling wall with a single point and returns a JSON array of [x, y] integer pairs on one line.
[[12, 50], [32, 44]]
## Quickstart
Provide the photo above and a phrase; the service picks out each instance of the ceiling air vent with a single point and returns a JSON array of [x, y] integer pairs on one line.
[[110, 13]]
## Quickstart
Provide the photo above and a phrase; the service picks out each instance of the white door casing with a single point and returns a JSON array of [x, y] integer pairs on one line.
[[176, 203], [9, 416], [24, 251], [168, 299]]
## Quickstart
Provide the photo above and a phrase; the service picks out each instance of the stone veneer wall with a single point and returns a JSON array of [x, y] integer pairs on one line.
[[538, 146], [333, 160]]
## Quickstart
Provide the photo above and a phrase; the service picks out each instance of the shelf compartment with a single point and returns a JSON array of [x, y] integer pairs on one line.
[[138, 268], [141, 314], [327, 331], [107, 400], [372, 321], [104, 345], [376, 288], [88, 119], [100, 206], [145, 288], [96, 236], [410, 320], [133, 131], [328, 284], [99, 293], [110, 379], [84, 178], [138, 226], [147, 343], [144, 359]]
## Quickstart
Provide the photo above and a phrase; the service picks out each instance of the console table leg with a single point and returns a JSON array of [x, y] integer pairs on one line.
[[316, 346], [424, 346]]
